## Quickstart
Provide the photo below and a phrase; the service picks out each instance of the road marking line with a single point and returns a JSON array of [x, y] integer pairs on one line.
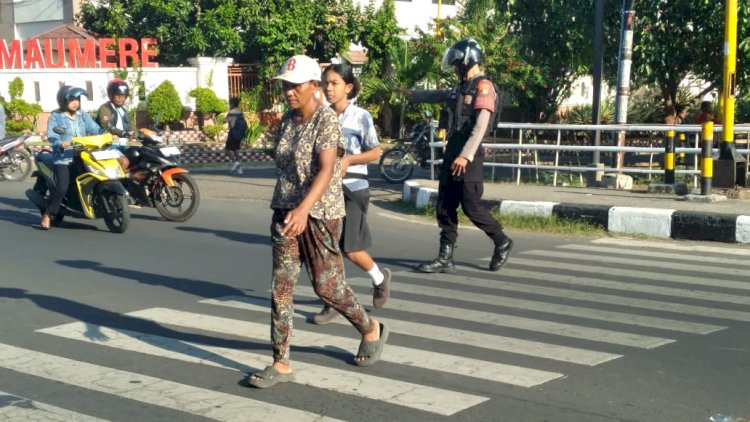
[[633, 273], [656, 305], [482, 340], [575, 280], [654, 254], [16, 408], [664, 265], [493, 318], [429, 399], [546, 307], [492, 371], [145, 389], [675, 246]]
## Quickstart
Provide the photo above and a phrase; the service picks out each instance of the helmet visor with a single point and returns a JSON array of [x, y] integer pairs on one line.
[[75, 93], [451, 57]]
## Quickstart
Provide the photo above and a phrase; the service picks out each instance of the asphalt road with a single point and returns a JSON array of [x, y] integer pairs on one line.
[[160, 323]]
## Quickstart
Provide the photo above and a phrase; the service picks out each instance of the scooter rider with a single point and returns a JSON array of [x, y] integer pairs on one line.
[[113, 117], [69, 120], [473, 103]]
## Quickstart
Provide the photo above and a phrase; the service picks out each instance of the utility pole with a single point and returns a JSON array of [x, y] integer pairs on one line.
[[623, 73], [729, 168], [598, 57]]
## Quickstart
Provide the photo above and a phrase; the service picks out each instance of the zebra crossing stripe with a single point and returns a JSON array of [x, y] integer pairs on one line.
[[15, 408], [490, 318], [636, 274], [673, 246], [145, 389], [429, 399], [638, 340], [483, 340], [713, 270], [575, 280], [654, 254], [491, 371], [655, 305]]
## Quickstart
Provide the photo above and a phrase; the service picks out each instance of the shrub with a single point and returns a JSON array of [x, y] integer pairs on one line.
[[254, 131], [21, 115], [207, 104], [164, 105]]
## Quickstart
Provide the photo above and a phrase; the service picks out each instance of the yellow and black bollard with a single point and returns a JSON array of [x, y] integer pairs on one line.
[[669, 158], [707, 158], [681, 144]]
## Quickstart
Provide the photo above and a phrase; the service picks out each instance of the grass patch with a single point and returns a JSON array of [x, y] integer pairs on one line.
[[547, 224]]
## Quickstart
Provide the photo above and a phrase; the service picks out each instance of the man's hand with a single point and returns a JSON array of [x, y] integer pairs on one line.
[[458, 167]]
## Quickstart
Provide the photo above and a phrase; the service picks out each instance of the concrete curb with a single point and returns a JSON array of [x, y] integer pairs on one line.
[[654, 222]]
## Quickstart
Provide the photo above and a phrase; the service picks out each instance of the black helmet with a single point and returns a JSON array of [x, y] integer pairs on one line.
[[463, 55], [67, 93], [133, 154], [117, 87]]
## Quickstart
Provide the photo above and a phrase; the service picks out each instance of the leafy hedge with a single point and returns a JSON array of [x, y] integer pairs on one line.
[[164, 104]]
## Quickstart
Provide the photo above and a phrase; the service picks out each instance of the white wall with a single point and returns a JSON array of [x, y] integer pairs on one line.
[[184, 79], [411, 13]]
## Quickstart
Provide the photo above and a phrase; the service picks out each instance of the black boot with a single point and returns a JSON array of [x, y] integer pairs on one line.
[[443, 263], [500, 253]]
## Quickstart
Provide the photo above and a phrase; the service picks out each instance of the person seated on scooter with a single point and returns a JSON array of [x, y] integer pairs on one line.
[[63, 125], [113, 117]]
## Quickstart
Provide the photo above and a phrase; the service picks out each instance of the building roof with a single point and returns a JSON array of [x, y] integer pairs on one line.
[[67, 31]]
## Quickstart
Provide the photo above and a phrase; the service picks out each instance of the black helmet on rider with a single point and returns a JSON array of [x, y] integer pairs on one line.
[[117, 87], [67, 93], [462, 56]]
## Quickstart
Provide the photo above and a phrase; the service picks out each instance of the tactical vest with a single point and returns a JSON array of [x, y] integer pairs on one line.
[[465, 116]]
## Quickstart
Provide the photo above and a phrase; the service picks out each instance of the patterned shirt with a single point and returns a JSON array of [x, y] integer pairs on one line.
[[297, 150], [360, 134]]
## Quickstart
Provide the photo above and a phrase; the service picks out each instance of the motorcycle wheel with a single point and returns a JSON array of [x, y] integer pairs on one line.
[[119, 219], [16, 166], [180, 202], [396, 165]]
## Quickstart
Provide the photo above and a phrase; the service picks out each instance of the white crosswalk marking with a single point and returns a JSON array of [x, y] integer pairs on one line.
[[491, 371], [677, 285], [696, 258], [643, 341], [490, 318], [392, 391], [483, 340], [673, 246], [662, 265], [19, 409], [172, 395]]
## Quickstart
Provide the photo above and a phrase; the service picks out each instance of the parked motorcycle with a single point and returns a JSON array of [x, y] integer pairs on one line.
[[156, 180], [95, 188], [15, 158], [397, 164]]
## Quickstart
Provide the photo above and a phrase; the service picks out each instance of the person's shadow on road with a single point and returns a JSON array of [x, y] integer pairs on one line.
[[199, 288], [250, 238]]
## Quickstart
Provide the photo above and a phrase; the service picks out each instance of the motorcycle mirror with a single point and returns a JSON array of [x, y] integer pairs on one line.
[[60, 130]]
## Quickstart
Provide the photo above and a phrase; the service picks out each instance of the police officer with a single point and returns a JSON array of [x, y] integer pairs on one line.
[[472, 106]]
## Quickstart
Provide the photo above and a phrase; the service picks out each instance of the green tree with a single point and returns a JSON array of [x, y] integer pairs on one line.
[[21, 116]]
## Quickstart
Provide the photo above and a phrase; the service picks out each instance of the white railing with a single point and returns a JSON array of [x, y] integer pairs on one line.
[[524, 128]]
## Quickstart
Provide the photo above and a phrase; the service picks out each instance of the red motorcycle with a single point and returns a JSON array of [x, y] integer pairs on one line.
[[15, 158]]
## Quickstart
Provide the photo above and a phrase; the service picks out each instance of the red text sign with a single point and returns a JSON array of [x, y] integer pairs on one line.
[[90, 53]]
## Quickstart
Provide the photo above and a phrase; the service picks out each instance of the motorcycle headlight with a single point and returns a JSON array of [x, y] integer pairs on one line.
[[110, 172]]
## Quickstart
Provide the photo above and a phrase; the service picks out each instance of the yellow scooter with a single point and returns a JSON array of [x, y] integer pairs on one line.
[[95, 188]]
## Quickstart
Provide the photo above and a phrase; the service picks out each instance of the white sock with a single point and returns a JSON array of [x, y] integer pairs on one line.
[[376, 275]]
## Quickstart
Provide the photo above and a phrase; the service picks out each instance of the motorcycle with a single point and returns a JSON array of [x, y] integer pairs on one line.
[[15, 158], [397, 164], [155, 179], [95, 189]]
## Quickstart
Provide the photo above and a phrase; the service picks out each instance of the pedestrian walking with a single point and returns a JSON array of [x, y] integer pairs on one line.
[[475, 104], [308, 209], [362, 146], [237, 133]]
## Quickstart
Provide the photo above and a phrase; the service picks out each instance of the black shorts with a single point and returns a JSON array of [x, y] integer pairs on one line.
[[232, 145], [356, 234]]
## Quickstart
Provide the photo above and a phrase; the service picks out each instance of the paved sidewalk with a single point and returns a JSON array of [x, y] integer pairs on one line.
[[635, 211]]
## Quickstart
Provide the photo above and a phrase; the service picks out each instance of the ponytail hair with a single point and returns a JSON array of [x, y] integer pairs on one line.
[[346, 71]]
